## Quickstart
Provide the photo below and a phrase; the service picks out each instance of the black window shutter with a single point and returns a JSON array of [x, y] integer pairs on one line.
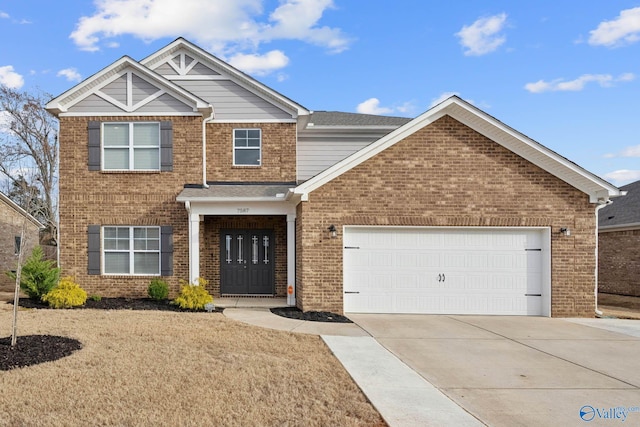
[[93, 249], [94, 146], [166, 251], [166, 146]]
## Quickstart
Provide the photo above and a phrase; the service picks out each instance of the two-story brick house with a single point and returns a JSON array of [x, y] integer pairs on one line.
[[181, 166]]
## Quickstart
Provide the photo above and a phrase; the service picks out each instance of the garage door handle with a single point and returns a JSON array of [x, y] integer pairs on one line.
[[351, 292], [532, 295], [441, 277]]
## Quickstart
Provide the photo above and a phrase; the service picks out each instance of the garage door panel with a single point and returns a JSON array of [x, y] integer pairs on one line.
[[456, 271]]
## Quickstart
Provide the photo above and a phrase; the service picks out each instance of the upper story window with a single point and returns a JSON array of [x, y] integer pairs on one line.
[[247, 147], [131, 146]]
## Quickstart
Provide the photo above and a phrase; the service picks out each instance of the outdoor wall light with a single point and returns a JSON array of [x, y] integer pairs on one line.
[[565, 231], [333, 231]]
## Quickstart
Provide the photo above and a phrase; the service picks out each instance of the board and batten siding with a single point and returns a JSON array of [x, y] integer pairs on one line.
[[232, 102]]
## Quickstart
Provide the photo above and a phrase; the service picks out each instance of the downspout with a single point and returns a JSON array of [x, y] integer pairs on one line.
[[204, 147], [601, 204]]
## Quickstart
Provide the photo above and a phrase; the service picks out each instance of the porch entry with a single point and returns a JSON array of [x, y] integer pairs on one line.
[[247, 262]]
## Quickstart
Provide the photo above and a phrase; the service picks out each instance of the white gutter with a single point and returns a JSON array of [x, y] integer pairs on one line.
[[204, 147], [601, 204]]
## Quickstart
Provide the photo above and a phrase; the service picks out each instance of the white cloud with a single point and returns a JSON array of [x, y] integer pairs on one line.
[[633, 151], [625, 29], [443, 96], [5, 122], [10, 78], [559, 85], [372, 106], [259, 64], [483, 36], [4, 15], [71, 74], [225, 27], [623, 176]]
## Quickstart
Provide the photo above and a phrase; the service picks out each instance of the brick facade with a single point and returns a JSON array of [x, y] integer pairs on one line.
[[446, 174], [619, 262], [11, 224], [278, 153], [123, 198]]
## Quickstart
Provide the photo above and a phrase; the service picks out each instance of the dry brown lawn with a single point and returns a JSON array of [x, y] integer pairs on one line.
[[180, 369]]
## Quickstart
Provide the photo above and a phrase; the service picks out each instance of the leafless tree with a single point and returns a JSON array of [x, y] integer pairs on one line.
[[28, 140]]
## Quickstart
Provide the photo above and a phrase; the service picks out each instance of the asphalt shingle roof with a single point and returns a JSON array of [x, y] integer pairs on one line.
[[623, 210], [337, 118], [236, 190]]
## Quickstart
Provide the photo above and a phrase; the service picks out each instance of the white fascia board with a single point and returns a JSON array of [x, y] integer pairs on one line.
[[599, 189], [498, 132], [235, 75], [193, 200], [74, 95], [241, 208], [622, 227]]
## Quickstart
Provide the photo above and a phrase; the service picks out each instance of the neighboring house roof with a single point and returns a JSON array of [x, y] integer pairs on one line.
[[337, 118], [623, 212], [483, 123], [236, 192], [62, 103], [21, 211]]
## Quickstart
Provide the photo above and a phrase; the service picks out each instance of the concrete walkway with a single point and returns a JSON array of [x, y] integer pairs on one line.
[[399, 393]]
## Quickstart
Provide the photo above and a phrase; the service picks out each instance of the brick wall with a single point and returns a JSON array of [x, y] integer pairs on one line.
[[11, 223], [278, 153], [619, 262], [210, 250], [117, 198], [446, 174]]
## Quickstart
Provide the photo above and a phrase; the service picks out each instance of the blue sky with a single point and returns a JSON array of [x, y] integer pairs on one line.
[[565, 73]]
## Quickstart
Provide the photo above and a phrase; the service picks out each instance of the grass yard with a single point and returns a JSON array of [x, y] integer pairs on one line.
[[179, 369]]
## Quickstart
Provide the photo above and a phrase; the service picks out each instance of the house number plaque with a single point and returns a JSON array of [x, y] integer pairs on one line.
[[243, 210]]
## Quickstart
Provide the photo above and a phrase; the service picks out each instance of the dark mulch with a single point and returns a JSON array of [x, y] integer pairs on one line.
[[116, 304], [314, 316], [33, 349]]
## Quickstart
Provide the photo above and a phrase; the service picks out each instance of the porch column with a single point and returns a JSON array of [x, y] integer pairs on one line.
[[194, 247], [291, 259]]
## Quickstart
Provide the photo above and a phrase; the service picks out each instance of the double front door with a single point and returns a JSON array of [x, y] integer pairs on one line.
[[247, 264]]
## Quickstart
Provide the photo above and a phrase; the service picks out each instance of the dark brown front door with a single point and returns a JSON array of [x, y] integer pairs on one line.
[[247, 264]]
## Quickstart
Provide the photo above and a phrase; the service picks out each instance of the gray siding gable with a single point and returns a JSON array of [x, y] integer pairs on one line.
[[130, 93]]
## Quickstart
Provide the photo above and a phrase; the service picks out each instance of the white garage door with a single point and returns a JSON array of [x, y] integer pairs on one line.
[[446, 270]]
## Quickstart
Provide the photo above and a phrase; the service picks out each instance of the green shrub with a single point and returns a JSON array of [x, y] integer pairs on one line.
[[66, 295], [158, 289], [95, 298], [193, 296], [38, 276]]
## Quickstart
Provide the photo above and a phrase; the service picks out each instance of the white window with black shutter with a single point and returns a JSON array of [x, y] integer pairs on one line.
[[134, 146], [130, 250]]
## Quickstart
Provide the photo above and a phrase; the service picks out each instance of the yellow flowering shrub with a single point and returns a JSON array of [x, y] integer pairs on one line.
[[66, 294], [193, 296]]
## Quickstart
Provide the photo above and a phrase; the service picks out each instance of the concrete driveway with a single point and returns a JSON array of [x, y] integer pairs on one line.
[[509, 371]]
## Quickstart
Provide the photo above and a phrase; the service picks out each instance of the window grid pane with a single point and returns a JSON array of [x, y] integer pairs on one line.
[[131, 146], [131, 250]]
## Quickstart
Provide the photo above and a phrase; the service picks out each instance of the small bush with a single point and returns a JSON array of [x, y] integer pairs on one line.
[[38, 276], [66, 295], [95, 297], [193, 296], [158, 289]]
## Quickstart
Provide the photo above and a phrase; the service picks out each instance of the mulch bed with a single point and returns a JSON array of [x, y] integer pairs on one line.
[[33, 349], [314, 316], [116, 304]]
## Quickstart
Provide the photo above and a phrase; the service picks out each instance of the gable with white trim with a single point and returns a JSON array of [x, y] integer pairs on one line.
[[598, 189]]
